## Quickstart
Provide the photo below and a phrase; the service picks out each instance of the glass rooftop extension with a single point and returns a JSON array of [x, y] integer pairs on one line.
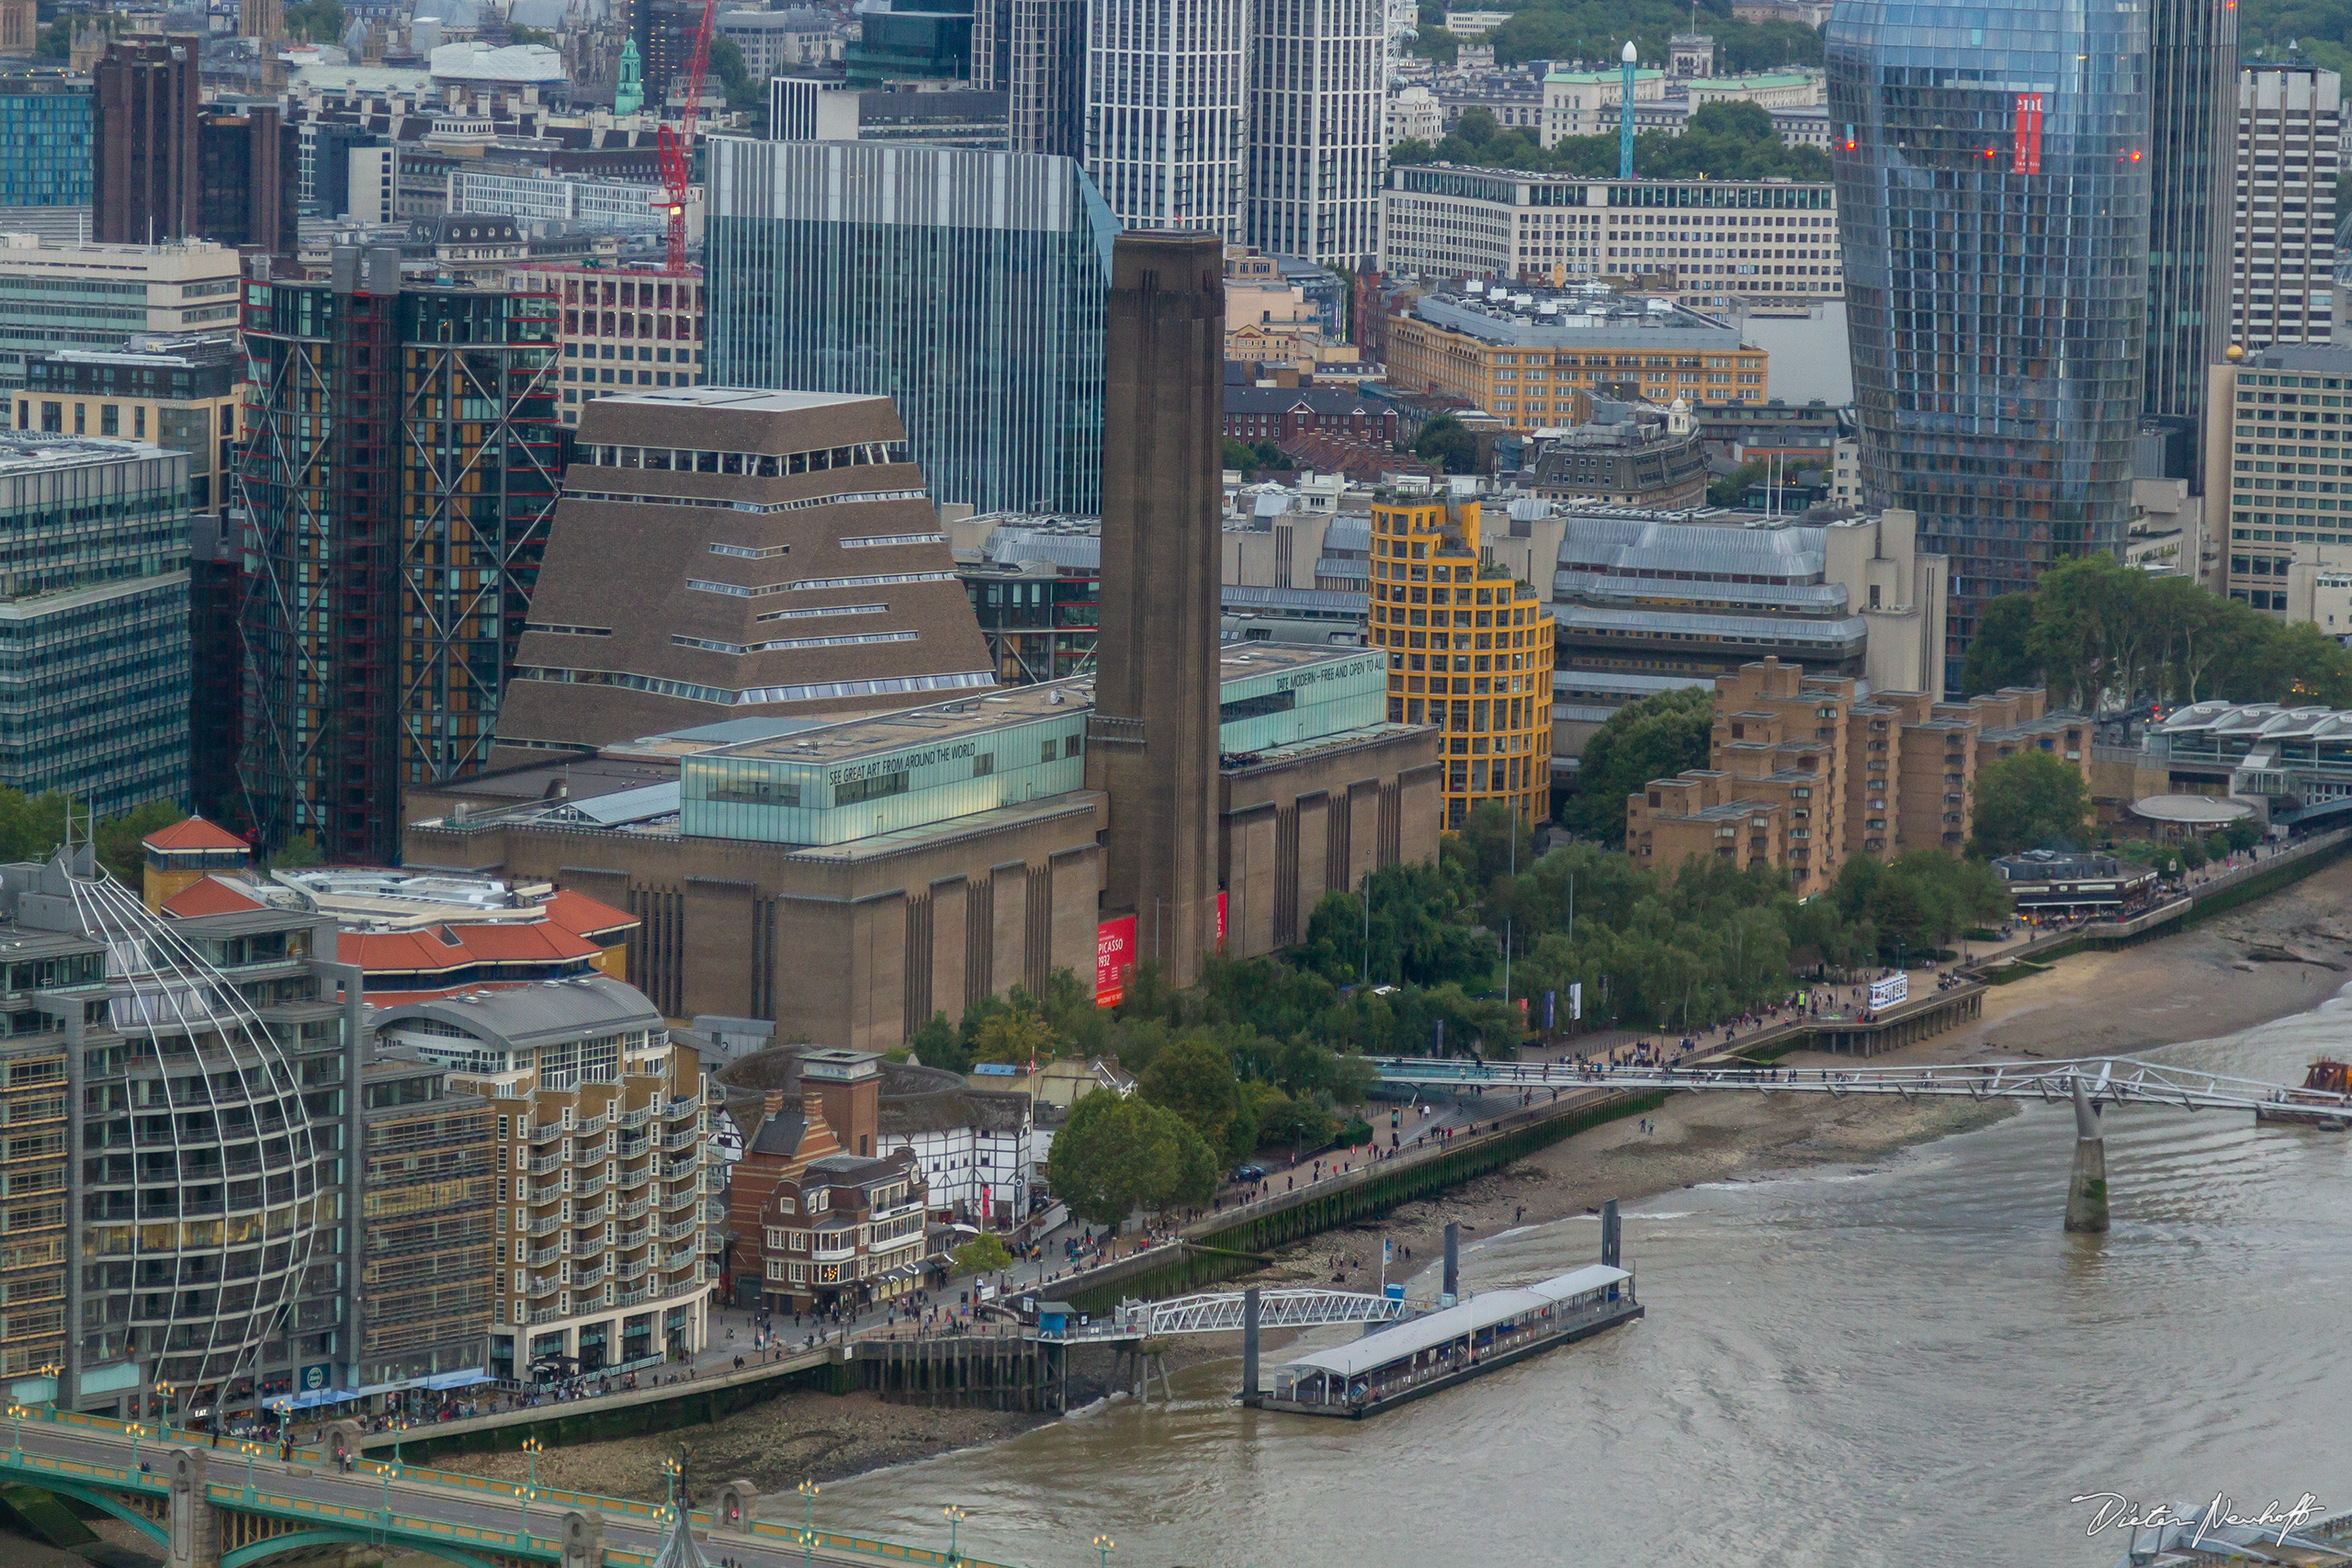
[[886, 773]]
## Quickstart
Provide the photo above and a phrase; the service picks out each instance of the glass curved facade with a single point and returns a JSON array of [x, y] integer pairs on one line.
[[1993, 185]]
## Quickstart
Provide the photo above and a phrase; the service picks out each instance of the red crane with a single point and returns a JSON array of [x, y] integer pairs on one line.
[[678, 146]]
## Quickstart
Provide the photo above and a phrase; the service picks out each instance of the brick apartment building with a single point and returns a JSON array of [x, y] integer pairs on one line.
[[1806, 773]]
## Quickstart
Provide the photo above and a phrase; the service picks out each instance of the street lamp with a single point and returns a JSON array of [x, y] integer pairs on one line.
[[807, 1490], [399, 1425], [386, 1472], [164, 1392], [807, 1539], [251, 1449], [52, 1371], [1103, 1552], [672, 1470], [137, 1432], [527, 1494], [532, 1449], [16, 1414], [955, 1517]]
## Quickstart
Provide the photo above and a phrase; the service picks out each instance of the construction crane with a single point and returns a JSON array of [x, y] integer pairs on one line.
[[677, 146]]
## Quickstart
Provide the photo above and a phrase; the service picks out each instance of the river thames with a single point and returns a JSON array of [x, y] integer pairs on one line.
[[1900, 1364]]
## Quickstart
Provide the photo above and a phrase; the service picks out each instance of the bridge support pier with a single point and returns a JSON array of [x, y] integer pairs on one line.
[[193, 1526], [584, 1540], [1250, 1345], [1453, 1262], [2086, 1184]]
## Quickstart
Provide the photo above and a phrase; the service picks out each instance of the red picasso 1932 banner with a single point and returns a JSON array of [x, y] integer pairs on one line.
[[1114, 960], [2026, 156]]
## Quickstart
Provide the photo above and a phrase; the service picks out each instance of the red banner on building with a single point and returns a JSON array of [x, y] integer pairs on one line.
[[1220, 919], [1114, 960], [2026, 131]]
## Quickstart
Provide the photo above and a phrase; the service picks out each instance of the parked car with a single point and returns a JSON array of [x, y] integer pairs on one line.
[[1250, 1173]]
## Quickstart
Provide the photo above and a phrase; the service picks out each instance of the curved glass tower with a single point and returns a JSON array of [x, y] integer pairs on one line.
[[1993, 188]]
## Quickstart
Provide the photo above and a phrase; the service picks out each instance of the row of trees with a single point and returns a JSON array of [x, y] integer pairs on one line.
[[1724, 141], [1596, 30], [2103, 636]]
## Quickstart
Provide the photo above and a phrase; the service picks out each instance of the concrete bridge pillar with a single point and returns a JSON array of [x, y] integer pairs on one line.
[[2086, 1185], [193, 1525], [583, 1540], [1250, 1345], [731, 1509], [338, 1438]]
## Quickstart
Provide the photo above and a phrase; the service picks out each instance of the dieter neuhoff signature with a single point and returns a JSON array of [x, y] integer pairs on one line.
[[2185, 1525]]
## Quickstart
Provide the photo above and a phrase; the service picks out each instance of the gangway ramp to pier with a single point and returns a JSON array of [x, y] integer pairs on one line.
[[1223, 1312]]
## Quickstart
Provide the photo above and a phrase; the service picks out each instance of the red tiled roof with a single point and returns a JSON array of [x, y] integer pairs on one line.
[[439, 949], [208, 895], [585, 917], [195, 833]]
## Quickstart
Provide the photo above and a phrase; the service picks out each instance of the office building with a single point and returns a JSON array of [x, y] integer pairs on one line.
[[1655, 596], [1490, 690], [1712, 242], [1035, 52], [1167, 112], [2192, 76], [989, 334], [624, 326], [203, 1249], [324, 150], [1527, 358], [183, 393], [1156, 691], [2271, 431], [598, 1247], [394, 542], [45, 140], [2290, 136], [1999, 392], [902, 40], [1318, 71], [848, 880], [538, 199], [248, 189], [428, 1181], [1586, 102], [1624, 455], [96, 296], [1806, 772], [144, 183], [787, 563], [96, 623], [776, 41]]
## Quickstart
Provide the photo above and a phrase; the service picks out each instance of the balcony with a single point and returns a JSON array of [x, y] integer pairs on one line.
[[588, 1214], [633, 1270], [834, 1248], [679, 1231], [546, 1163], [683, 1257], [630, 1180], [635, 1236], [687, 1198], [633, 1208], [594, 1125], [547, 1195], [542, 1289], [637, 1118], [548, 1315], [548, 1226], [543, 1255], [677, 1108], [590, 1187], [671, 1143], [546, 1132], [587, 1279], [630, 1298]]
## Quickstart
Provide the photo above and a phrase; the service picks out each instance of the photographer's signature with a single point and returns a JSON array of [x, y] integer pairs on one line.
[[2115, 1511]]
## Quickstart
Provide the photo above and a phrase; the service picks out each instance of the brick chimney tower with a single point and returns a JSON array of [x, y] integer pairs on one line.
[[1152, 741]]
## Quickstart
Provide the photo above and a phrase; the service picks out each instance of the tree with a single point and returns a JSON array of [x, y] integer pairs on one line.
[[517, 33], [315, 21], [1195, 1078], [1018, 1033], [299, 851], [2033, 800], [1445, 440], [1118, 1155], [1732, 488], [984, 1253], [936, 1044], [120, 839], [1653, 738], [743, 95], [1997, 651]]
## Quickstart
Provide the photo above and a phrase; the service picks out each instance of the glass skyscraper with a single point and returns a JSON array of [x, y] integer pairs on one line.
[[1993, 182], [2192, 80], [44, 138], [967, 286]]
